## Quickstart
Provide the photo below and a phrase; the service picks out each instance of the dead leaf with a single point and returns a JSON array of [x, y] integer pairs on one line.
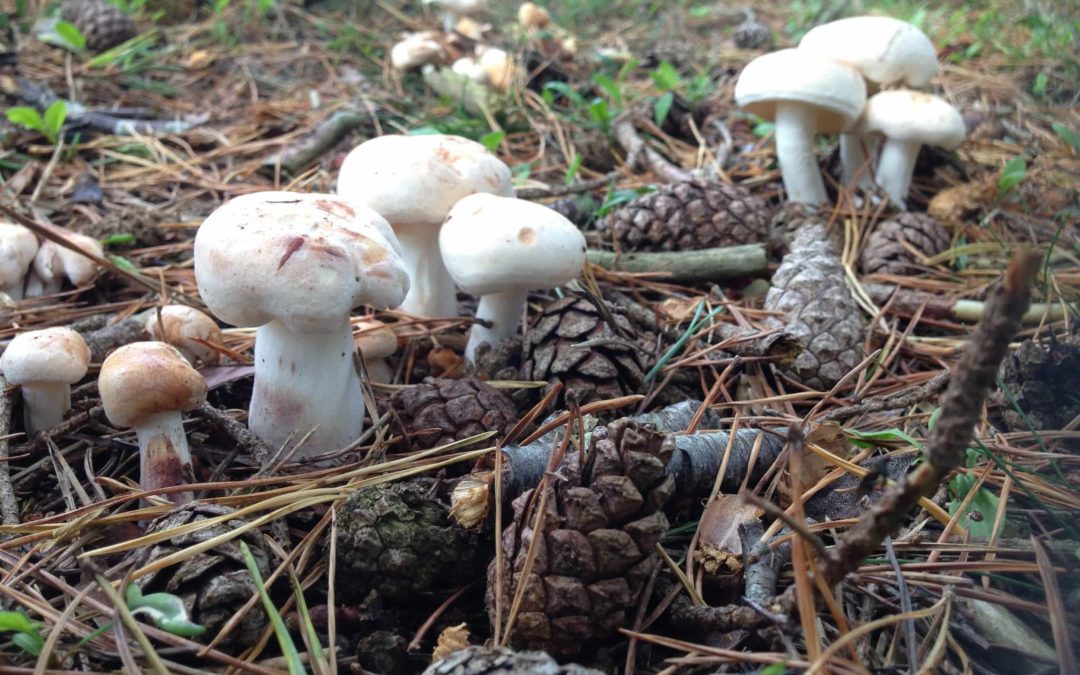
[[829, 436], [718, 533], [679, 309], [446, 363], [452, 639]]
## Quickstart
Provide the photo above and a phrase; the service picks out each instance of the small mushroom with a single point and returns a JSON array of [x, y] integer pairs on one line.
[[803, 93], [376, 341], [187, 329], [886, 52], [909, 120], [295, 265], [18, 246], [497, 66], [416, 50], [53, 263], [147, 386], [501, 247], [533, 17], [45, 362], [413, 181], [453, 9]]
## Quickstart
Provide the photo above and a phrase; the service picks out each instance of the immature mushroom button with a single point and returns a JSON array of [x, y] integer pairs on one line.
[[295, 265], [499, 248], [45, 362], [416, 50], [803, 93], [18, 246], [413, 181], [909, 120], [54, 262], [887, 52], [183, 327], [147, 386]]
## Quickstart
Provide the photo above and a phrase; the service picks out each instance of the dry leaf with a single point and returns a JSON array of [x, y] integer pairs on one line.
[[679, 309], [452, 639], [956, 203], [829, 436], [720, 548]]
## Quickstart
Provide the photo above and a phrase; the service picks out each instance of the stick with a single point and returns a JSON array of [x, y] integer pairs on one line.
[[563, 190], [240, 434], [936, 307], [104, 340], [329, 132], [961, 405], [9, 506], [640, 156], [707, 264]]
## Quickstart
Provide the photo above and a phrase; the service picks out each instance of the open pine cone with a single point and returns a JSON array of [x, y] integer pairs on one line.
[[886, 252], [103, 25], [610, 366], [601, 521], [688, 216], [815, 306], [456, 408]]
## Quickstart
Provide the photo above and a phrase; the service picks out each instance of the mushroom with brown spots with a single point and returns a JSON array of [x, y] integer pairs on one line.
[[295, 265], [148, 386], [45, 362], [187, 329]]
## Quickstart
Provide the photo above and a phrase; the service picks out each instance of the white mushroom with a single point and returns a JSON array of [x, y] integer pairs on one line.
[[183, 327], [803, 93], [887, 52], [412, 181], [53, 263], [499, 248], [147, 386], [295, 265], [533, 17], [457, 8], [45, 362], [376, 341], [909, 120], [416, 50], [18, 245]]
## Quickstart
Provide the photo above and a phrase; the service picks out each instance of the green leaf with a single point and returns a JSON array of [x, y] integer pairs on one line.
[[563, 89], [893, 434], [31, 644], [119, 239], [663, 107], [774, 669], [572, 170], [666, 76], [978, 518], [1038, 87], [610, 87], [166, 610], [1012, 174], [55, 115], [16, 621], [763, 129], [493, 140], [285, 641], [1070, 136], [123, 263], [28, 118], [600, 113], [71, 35]]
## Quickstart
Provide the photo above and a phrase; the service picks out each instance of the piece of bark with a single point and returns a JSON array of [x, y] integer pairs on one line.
[[707, 264]]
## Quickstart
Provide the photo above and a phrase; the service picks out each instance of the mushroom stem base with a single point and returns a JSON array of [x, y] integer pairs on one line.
[[431, 289], [895, 167], [796, 125], [306, 381], [44, 405], [503, 310], [857, 155], [165, 459]]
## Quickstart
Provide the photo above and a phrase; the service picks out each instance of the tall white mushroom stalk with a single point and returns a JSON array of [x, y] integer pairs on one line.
[[803, 94]]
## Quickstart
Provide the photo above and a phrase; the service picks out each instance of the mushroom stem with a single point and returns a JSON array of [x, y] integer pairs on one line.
[[44, 405], [857, 154], [895, 167], [304, 381], [14, 292], [431, 290], [503, 310], [795, 127], [379, 371], [37, 287], [164, 457]]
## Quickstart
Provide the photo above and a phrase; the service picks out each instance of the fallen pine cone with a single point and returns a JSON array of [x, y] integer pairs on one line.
[[886, 253], [688, 216], [102, 24], [456, 409], [503, 661]]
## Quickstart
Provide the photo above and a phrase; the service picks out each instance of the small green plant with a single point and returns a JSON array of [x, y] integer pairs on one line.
[[166, 610], [27, 635], [982, 509], [48, 125], [1012, 174], [63, 34], [1068, 135], [285, 641]]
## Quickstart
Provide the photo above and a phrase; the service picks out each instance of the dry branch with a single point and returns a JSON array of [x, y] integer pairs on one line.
[[707, 264]]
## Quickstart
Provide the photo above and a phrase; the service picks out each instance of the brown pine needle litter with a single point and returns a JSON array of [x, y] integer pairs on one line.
[[920, 508]]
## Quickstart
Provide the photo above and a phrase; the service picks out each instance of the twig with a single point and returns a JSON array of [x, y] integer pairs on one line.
[[1058, 621], [320, 141], [933, 306], [961, 405], [104, 340], [889, 401], [761, 563], [9, 506], [796, 526], [640, 156], [240, 434], [563, 190], [905, 603], [707, 264]]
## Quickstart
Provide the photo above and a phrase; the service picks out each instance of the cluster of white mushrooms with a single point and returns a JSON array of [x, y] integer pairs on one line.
[[822, 86], [29, 269]]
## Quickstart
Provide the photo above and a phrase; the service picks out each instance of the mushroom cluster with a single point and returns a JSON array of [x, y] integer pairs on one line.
[[822, 87], [30, 270]]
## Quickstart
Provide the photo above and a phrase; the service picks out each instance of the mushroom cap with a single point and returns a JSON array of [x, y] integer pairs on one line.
[[905, 115], [415, 180], [415, 50], [49, 355], [837, 91], [885, 50], [146, 378], [179, 325], [533, 16], [491, 244], [303, 259], [376, 340], [18, 245], [497, 66], [54, 260]]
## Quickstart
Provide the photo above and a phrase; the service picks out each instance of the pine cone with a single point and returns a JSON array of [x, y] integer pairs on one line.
[[1044, 380], [215, 583], [885, 252], [456, 408], [787, 220], [815, 305], [103, 25], [397, 538], [503, 661], [601, 521], [688, 216], [609, 368], [752, 34]]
